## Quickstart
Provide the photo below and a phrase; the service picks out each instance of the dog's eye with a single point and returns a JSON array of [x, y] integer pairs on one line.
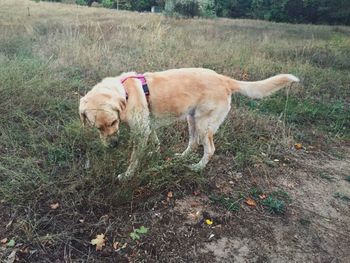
[[113, 123]]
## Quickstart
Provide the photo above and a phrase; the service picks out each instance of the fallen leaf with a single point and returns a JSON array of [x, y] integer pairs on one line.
[[116, 245], [194, 216], [195, 193], [208, 222], [169, 196], [250, 202], [99, 241], [54, 206], [262, 196], [24, 250], [11, 243], [3, 241], [298, 146]]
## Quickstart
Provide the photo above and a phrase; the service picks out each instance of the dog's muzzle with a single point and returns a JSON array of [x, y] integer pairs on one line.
[[110, 142]]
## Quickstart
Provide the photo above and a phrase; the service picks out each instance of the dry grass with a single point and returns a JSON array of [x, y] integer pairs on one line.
[[52, 57]]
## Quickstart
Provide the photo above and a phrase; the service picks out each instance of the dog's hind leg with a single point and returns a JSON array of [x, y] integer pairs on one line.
[[193, 136], [206, 127], [207, 139]]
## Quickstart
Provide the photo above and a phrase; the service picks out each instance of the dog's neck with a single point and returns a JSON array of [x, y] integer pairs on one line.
[[115, 85]]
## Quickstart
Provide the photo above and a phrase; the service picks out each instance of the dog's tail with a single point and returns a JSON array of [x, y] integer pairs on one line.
[[263, 88]]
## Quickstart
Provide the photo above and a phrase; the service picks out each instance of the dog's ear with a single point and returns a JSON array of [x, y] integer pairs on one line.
[[120, 105], [83, 118]]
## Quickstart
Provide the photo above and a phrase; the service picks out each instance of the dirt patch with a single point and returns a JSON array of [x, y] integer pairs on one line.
[[315, 227]]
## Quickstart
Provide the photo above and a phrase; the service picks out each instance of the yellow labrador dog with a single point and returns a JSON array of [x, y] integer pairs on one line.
[[201, 96]]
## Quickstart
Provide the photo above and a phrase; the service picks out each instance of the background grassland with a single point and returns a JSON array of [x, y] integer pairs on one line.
[[52, 54]]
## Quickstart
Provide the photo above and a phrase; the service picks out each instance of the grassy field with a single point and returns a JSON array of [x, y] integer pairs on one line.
[[52, 54]]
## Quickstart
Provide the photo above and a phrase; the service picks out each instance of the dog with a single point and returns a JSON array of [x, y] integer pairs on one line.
[[200, 95]]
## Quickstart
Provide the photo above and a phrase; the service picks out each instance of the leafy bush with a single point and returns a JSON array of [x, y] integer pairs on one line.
[[107, 3], [80, 2]]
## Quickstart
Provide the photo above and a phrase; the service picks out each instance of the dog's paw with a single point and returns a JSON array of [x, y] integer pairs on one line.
[[122, 177], [125, 176]]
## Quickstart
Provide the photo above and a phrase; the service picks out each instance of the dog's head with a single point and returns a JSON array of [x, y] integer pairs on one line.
[[102, 107]]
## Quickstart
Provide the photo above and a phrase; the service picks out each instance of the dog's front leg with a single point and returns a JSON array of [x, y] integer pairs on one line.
[[140, 139]]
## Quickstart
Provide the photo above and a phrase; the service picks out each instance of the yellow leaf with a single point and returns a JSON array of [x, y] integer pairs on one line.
[[208, 222], [99, 241], [250, 202], [54, 206], [298, 146], [170, 194]]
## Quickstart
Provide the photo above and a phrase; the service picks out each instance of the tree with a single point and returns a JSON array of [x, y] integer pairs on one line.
[[188, 8]]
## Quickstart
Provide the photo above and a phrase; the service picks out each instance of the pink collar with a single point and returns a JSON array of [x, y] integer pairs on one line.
[[140, 77]]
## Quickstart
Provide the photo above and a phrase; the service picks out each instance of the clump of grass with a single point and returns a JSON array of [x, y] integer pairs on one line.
[[227, 202], [327, 177], [305, 221], [276, 202], [255, 192], [342, 196], [274, 205]]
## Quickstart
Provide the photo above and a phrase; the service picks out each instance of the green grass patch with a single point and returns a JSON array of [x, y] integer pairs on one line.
[[332, 117], [276, 202], [305, 221], [255, 192], [342, 196], [226, 202], [274, 205], [327, 177]]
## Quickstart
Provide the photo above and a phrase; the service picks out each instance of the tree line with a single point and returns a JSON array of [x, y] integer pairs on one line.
[[292, 11]]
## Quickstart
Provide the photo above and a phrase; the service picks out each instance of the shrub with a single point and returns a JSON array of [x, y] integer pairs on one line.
[[107, 3]]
